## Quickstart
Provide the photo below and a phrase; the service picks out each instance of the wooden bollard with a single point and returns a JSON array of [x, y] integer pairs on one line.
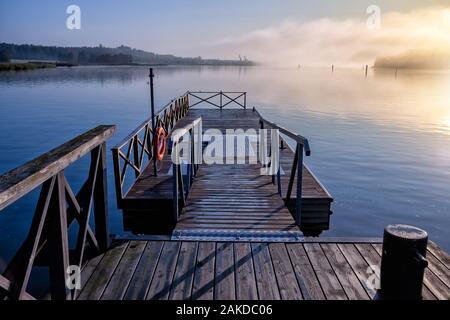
[[403, 262]]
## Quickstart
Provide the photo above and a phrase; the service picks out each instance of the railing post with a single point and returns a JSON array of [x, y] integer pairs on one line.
[[137, 161], [117, 177], [101, 202], [59, 243], [175, 181], [221, 102], [298, 204], [245, 100]]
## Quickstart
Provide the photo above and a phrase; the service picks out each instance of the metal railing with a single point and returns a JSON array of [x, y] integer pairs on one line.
[[302, 147], [137, 150], [193, 157], [218, 99], [57, 208]]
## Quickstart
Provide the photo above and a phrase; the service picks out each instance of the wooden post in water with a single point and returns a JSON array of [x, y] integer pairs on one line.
[[367, 70], [403, 262]]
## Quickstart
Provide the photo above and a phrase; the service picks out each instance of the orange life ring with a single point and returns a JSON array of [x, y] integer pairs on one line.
[[160, 143]]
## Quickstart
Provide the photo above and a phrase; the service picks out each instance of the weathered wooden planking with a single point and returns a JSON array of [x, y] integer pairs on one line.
[[263, 209], [118, 284], [306, 277], [203, 287], [184, 274], [265, 274], [440, 254], [287, 283], [360, 267], [245, 273], [96, 285], [138, 287], [328, 279], [344, 272], [225, 288], [163, 277]]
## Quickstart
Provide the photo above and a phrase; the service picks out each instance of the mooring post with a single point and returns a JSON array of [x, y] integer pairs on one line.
[[152, 103], [403, 262]]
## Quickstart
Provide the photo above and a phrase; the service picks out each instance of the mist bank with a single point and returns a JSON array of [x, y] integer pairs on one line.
[[415, 60], [100, 55]]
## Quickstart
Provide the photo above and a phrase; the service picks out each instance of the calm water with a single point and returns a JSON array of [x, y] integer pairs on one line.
[[380, 145]]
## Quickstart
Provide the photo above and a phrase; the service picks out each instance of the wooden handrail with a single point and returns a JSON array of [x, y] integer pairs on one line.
[[56, 209], [236, 99], [298, 138], [180, 190], [20, 181], [302, 146], [137, 149], [139, 128], [176, 136]]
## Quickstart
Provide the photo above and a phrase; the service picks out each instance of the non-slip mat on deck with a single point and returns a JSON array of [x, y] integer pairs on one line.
[[237, 236]]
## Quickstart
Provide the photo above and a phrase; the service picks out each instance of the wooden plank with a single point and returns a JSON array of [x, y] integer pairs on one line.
[[184, 274], [265, 274], [440, 254], [436, 286], [203, 287], [350, 283], [327, 278], [225, 288], [162, 280], [121, 278], [439, 269], [18, 182], [88, 271], [97, 283], [142, 277], [284, 272], [306, 277], [359, 266], [245, 274]]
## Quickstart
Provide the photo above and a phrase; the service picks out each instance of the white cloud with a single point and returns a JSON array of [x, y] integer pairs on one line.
[[342, 42]]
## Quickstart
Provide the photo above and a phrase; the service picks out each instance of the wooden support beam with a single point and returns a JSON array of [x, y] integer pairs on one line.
[[59, 244]]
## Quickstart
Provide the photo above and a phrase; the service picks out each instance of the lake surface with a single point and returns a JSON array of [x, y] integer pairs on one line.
[[380, 145]]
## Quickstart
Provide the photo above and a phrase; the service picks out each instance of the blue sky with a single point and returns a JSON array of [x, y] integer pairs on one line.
[[173, 26]]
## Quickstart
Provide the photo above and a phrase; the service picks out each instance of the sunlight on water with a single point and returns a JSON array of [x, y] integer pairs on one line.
[[380, 145]]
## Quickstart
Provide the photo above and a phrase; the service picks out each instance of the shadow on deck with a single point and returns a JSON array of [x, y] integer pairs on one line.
[[325, 270]]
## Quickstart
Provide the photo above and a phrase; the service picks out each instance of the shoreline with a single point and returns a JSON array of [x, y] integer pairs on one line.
[[28, 66]]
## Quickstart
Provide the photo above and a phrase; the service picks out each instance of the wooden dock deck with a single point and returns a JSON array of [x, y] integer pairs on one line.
[[325, 270], [226, 197]]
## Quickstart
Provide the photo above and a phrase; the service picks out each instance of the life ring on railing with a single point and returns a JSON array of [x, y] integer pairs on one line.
[[160, 143]]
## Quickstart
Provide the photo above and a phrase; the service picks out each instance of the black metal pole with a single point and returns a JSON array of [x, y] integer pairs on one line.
[[152, 103]]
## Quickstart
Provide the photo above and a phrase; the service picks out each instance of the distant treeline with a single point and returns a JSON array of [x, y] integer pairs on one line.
[[415, 60], [103, 55]]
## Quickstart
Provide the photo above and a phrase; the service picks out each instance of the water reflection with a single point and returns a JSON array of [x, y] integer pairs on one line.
[[381, 144]]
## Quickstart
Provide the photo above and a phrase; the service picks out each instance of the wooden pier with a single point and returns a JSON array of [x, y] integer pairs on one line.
[[221, 197]]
